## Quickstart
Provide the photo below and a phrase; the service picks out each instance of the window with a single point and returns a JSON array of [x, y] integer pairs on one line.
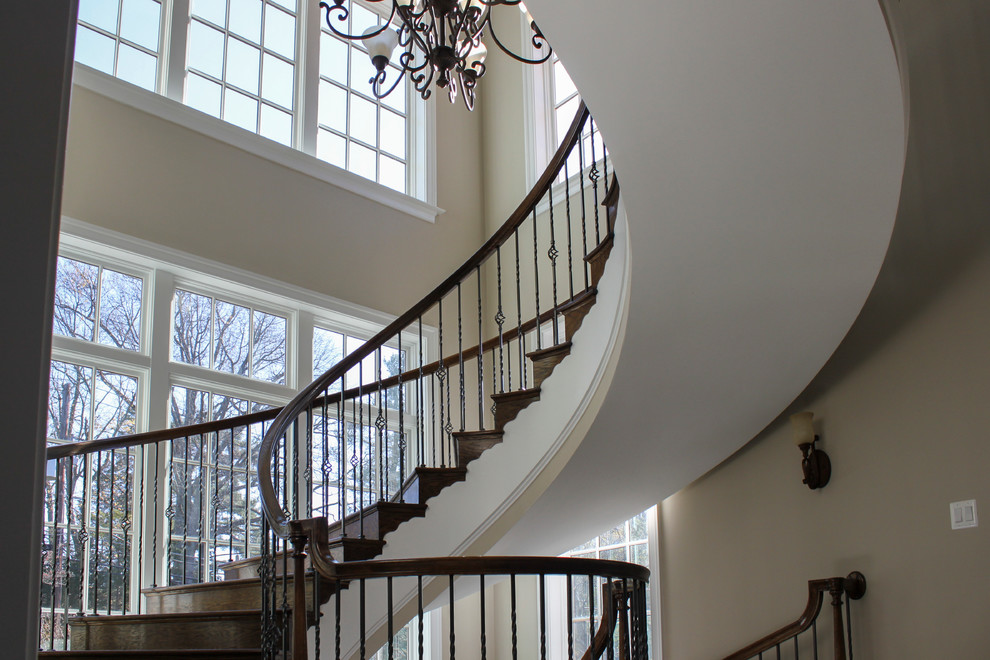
[[241, 64], [218, 349], [629, 541], [121, 37], [268, 67]]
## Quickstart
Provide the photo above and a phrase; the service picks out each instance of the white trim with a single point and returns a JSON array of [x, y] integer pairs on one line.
[[254, 144]]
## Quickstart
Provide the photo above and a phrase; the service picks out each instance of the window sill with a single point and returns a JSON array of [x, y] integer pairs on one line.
[[177, 113]]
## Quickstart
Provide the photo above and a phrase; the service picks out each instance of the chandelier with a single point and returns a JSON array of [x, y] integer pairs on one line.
[[441, 40]]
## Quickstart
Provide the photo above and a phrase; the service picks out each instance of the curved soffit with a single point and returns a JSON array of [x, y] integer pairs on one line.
[[760, 146]]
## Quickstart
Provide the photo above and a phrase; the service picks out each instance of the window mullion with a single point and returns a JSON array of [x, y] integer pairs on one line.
[[173, 59], [307, 80]]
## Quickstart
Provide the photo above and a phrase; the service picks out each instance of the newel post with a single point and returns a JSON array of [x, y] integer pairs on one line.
[[298, 540], [836, 588]]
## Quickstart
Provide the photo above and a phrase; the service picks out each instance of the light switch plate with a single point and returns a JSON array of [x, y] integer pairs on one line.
[[963, 514]]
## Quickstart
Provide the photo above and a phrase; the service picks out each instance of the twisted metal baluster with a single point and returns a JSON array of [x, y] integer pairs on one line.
[[442, 377], [402, 427], [154, 528], [113, 483], [126, 527], [500, 321], [543, 617], [450, 591], [594, 176], [95, 572], [512, 616], [421, 440], [391, 623], [570, 619], [380, 427], [484, 650], [359, 439]]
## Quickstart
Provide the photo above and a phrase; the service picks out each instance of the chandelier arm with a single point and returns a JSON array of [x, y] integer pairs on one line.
[[412, 25], [344, 13], [538, 40], [467, 85], [379, 79]]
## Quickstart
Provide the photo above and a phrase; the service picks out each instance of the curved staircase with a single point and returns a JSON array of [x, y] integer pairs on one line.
[[248, 613]]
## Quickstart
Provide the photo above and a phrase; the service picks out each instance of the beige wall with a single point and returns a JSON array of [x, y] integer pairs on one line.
[[906, 432], [140, 175]]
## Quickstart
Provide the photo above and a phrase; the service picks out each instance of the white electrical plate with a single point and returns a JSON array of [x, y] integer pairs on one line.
[[963, 514]]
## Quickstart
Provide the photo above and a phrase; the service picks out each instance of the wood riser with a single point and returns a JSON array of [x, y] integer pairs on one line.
[[218, 630]]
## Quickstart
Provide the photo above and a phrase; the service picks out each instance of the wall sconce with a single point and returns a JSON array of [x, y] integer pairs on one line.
[[816, 464]]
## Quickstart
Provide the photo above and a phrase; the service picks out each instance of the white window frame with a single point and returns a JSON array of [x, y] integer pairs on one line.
[[167, 103], [163, 270], [557, 595]]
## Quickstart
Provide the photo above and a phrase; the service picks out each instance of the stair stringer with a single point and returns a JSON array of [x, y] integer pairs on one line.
[[469, 517]]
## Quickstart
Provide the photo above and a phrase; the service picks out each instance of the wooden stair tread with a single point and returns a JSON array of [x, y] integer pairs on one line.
[[155, 654], [543, 353]]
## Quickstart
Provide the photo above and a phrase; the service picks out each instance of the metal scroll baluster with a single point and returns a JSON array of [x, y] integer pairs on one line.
[[570, 619], [170, 512], [126, 528], [460, 354], [591, 605], [380, 427], [512, 616], [55, 572], [594, 175], [419, 609], [500, 321], [185, 508], [341, 461], [359, 439], [83, 536], [420, 439], [570, 238], [433, 418], [110, 562], [536, 281], [363, 624], [553, 253], [520, 337], [325, 465], [584, 216], [230, 495], [543, 617], [95, 572], [336, 614], [215, 503], [308, 469], [402, 427], [316, 610], [481, 357], [484, 649], [140, 527], [200, 517], [450, 592], [391, 623], [441, 376], [154, 526]]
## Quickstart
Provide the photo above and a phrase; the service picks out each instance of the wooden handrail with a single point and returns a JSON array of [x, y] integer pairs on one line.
[[853, 585], [277, 518], [229, 423]]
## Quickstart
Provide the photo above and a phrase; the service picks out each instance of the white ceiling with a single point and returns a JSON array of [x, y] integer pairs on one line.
[[760, 147]]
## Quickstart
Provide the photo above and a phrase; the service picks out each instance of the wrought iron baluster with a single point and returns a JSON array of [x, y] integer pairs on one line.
[[230, 496], [481, 357], [341, 461], [316, 610], [536, 281], [420, 439], [570, 239], [591, 605], [154, 526], [513, 615], [185, 507], [402, 426], [814, 637], [308, 469], [500, 321], [380, 427], [460, 354], [113, 483], [359, 439], [201, 519], [584, 217], [336, 612], [126, 528], [594, 175], [543, 617], [484, 649], [797, 652], [450, 593], [391, 624], [608, 610], [95, 572], [57, 513], [215, 502], [441, 376], [364, 653], [553, 253], [419, 609], [570, 618], [520, 337], [83, 537], [141, 521]]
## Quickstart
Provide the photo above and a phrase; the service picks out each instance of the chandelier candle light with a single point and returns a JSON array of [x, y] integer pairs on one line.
[[440, 40]]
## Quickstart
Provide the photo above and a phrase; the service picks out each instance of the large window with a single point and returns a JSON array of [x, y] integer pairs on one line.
[[145, 338], [268, 66]]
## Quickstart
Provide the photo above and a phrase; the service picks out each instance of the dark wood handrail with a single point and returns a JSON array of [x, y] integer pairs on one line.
[[229, 423], [277, 518], [854, 585]]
